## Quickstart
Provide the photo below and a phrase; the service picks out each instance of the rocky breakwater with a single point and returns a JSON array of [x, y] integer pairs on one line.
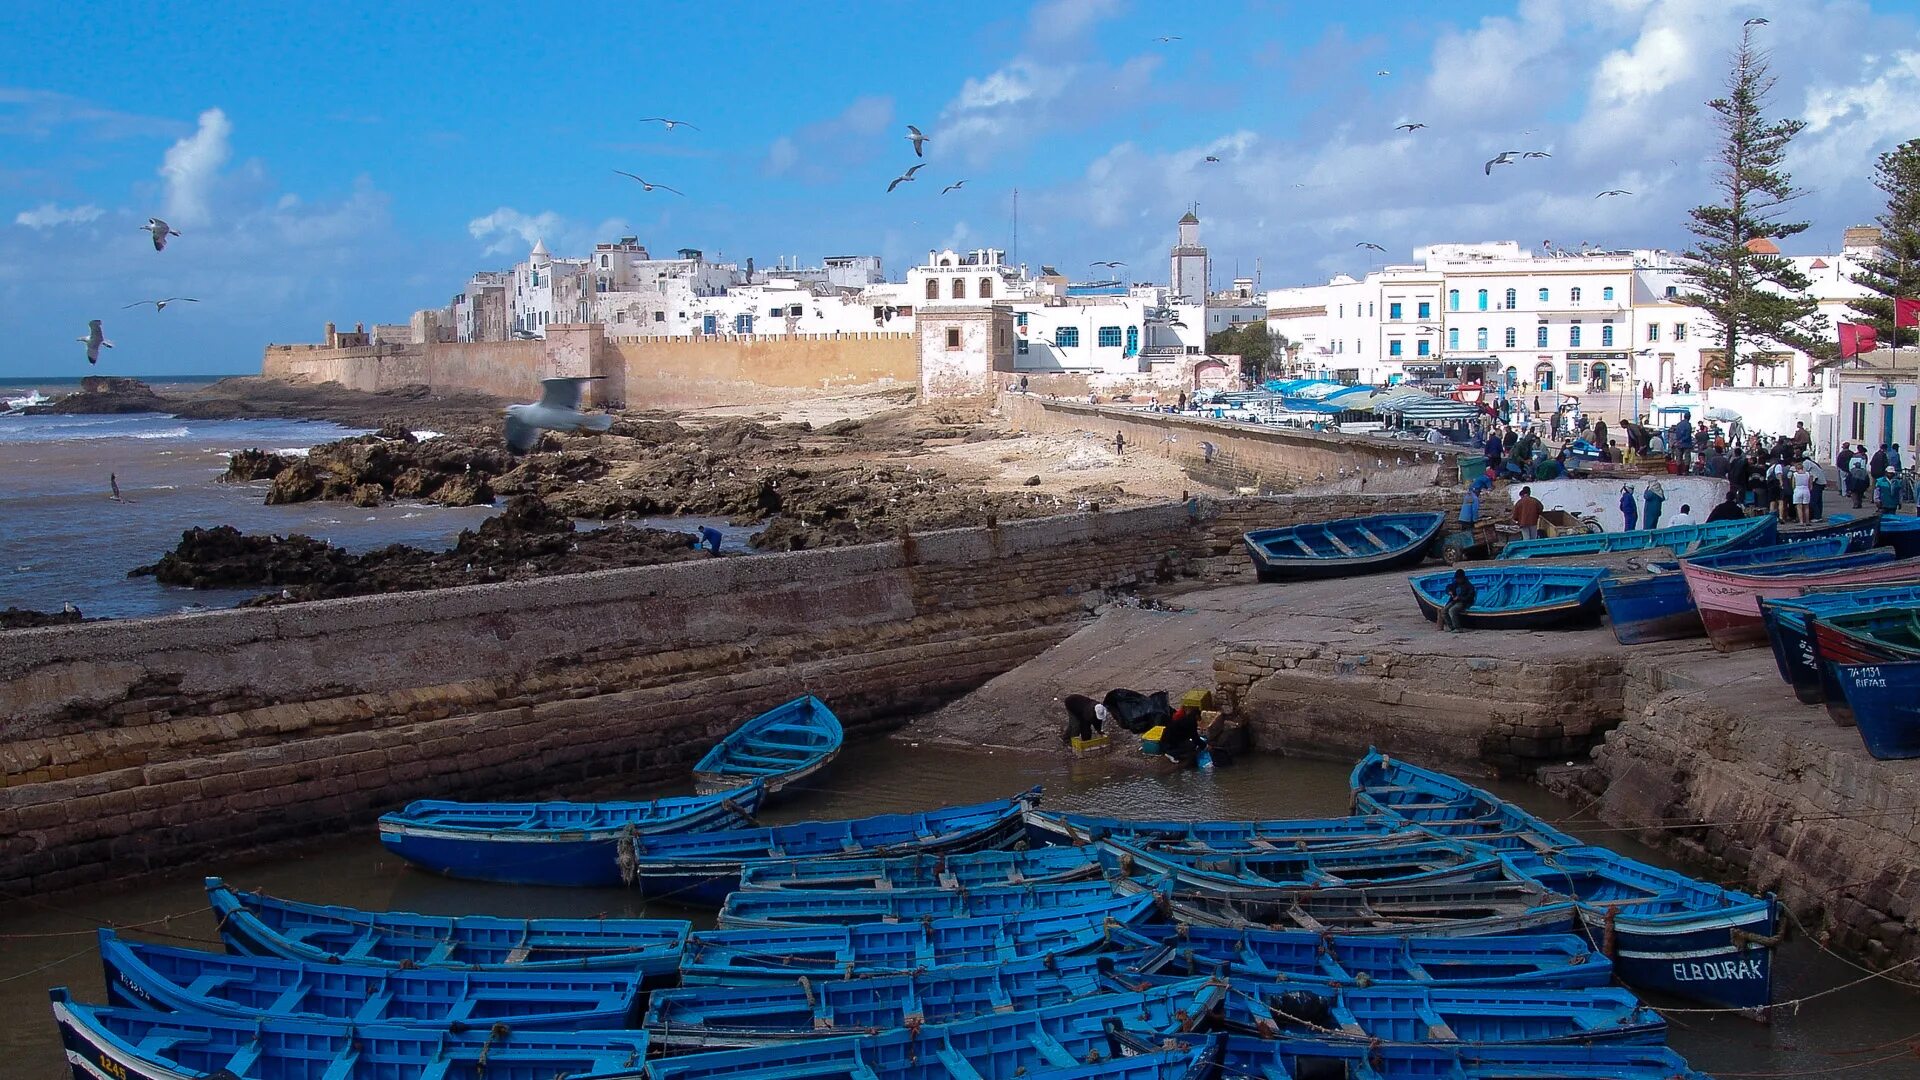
[[104, 394], [371, 470]]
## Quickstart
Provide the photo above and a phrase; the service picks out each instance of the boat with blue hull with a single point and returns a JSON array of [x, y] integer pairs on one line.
[[779, 747], [1518, 597], [1460, 908], [259, 925], [1447, 806], [1248, 1056], [1885, 699], [1859, 532], [805, 907], [1011, 1044], [1422, 1014], [1790, 636], [734, 957], [1310, 958], [1047, 827], [551, 843], [1238, 872], [1683, 540], [170, 979], [1658, 607], [1901, 532], [108, 1043], [971, 870], [1343, 547], [705, 868]]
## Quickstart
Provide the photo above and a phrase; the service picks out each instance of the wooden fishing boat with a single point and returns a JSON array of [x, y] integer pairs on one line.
[[1444, 805], [1252, 1056], [1343, 547], [1901, 532], [803, 907], [1729, 600], [996, 1045], [1421, 1014], [1047, 827], [971, 870], [1858, 531], [551, 843], [138, 1044], [1457, 908], [1835, 646], [1885, 699], [1684, 540], [735, 957], [1518, 597], [776, 748], [259, 925], [1308, 958], [1237, 872], [704, 868], [1789, 635], [1658, 607], [145, 976]]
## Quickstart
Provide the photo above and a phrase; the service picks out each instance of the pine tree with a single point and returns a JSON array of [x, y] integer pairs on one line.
[[1894, 270], [1752, 299]]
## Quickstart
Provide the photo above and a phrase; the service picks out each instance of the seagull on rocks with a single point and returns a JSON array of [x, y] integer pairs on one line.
[[905, 176], [650, 187], [161, 305], [557, 410], [94, 341], [918, 140], [670, 124], [160, 230]]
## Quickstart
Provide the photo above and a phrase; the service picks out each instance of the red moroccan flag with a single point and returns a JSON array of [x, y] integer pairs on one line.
[[1906, 312], [1857, 338]]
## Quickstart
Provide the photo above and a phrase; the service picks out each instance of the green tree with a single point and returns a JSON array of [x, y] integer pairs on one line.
[[1752, 298], [1250, 342], [1894, 270]]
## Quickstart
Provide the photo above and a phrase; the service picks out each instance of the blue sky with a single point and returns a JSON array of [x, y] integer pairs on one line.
[[355, 161]]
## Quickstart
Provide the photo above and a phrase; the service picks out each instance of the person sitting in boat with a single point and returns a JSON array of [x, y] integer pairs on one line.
[[1729, 508], [1460, 597]]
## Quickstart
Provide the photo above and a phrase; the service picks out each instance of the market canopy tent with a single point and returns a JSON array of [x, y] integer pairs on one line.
[[1429, 410]]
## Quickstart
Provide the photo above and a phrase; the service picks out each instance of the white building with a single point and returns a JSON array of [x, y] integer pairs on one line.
[[1190, 268]]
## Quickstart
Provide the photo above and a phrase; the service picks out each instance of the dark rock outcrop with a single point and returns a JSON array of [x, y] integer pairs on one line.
[[106, 394]]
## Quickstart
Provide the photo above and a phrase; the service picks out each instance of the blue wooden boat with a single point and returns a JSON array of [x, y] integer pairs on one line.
[[802, 907], [1901, 532], [1012, 1044], [259, 925], [1790, 637], [1684, 540], [1291, 1059], [734, 957], [1860, 532], [970, 870], [1518, 597], [1240, 872], [551, 843], [1885, 699], [1659, 607], [137, 1044], [1046, 827], [1447, 806], [1509, 905], [1422, 1014], [170, 979], [1343, 547], [776, 748], [1309, 959], [705, 868]]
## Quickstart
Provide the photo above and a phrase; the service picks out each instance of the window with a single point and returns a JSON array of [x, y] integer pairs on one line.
[[1108, 337], [1453, 338], [1393, 347], [709, 324], [1859, 419], [743, 323], [1679, 331], [659, 316], [933, 288], [1453, 299], [1000, 336], [1393, 311], [1425, 348], [1480, 338], [603, 262], [1653, 331], [1673, 291], [953, 337], [986, 288], [1133, 341], [1573, 294], [1067, 337], [1573, 371], [1369, 309], [1513, 299], [1019, 318], [773, 312], [1540, 336], [1543, 296], [1483, 299], [1343, 312], [1513, 337], [1606, 336], [794, 309], [1425, 310], [1020, 346], [959, 288], [1573, 341], [1606, 293]]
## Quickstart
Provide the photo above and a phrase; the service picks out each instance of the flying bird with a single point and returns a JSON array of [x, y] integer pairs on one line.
[[1376, 247], [160, 230], [905, 176], [1168, 37], [1755, 21], [650, 187], [94, 341], [1505, 158], [161, 305], [1213, 159], [557, 410], [1408, 127], [918, 140], [1112, 265], [955, 186], [671, 124], [1383, 72], [1613, 191], [1536, 153]]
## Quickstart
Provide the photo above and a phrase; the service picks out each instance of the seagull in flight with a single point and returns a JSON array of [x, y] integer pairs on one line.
[[1613, 191], [1536, 153], [1164, 38], [160, 230], [1755, 21], [955, 186], [671, 124], [905, 176], [1383, 73], [1114, 265], [918, 140], [1376, 247], [650, 187], [94, 341], [557, 410], [1408, 127], [1505, 158], [1213, 160], [161, 305]]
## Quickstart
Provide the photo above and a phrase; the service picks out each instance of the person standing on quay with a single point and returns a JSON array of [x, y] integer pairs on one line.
[[1629, 507], [1656, 498], [1526, 514], [1802, 493], [1817, 477], [1119, 444]]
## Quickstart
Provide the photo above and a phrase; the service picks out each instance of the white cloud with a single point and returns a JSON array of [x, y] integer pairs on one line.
[[819, 152], [1843, 118], [48, 215], [192, 167], [514, 232]]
